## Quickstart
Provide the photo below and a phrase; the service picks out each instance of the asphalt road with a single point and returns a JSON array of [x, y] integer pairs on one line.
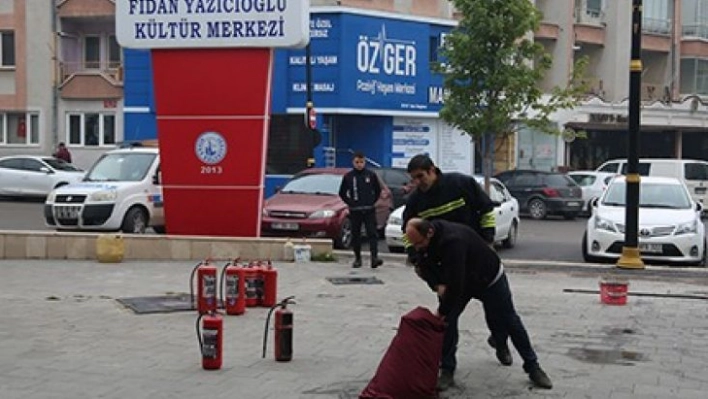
[[551, 239]]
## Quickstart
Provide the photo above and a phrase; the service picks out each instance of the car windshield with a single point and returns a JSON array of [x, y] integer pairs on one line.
[[651, 195], [559, 181], [60, 164], [320, 184], [121, 167]]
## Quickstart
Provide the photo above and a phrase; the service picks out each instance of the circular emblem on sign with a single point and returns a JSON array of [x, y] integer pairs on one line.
[[210, 147]]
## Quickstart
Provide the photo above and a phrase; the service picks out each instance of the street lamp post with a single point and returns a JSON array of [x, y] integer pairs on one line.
[[631, 257]]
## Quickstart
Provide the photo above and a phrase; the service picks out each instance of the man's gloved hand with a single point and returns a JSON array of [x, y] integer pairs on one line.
[[487, 234]]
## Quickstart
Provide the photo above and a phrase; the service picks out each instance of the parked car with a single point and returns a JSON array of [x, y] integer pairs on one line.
[[398, 181], [592, 183], [506, 212], [543, 193], [35, 176], [121, 192], [694, 173], [308, 205], [669, 229]]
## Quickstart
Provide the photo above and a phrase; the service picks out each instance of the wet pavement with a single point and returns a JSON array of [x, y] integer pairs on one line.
[[63, 334]]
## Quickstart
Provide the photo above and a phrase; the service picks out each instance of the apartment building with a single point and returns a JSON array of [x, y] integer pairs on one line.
[[60, 77], [674, 54]]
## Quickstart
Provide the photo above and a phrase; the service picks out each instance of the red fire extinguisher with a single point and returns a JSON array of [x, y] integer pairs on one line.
[[253, 280], [206, 286], [283, 330], [270, 285], [233, 288], [210, 337]]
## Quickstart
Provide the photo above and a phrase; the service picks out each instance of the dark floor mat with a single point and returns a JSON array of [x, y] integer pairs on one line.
[[354, 280], [158, 304]]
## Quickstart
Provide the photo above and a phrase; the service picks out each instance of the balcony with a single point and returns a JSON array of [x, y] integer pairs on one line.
[[655, 92], [86, 8], [589, 24], [90, 81]]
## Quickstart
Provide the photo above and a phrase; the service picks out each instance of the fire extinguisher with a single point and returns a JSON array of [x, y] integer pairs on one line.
[[270, 285], [283, 330], [233, 288], [210, 337], [253, 280], [206, 286]]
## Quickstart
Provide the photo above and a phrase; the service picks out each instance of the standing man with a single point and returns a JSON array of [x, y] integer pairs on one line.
[[360, 189], [62, 153], [461, 266], [457, 198]]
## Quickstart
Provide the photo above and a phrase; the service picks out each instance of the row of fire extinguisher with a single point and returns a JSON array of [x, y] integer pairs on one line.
[[241, 285], [251, 284]]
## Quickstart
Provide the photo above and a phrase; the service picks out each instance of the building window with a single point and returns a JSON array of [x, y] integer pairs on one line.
[[92, 52], [114, 52], [695, 18], [656, 16], [7, 49], [694, 76], [91, 129], [19, 128], [593, 8]]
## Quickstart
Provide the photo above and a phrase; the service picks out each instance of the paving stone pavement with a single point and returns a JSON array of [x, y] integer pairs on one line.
[[64, 335]]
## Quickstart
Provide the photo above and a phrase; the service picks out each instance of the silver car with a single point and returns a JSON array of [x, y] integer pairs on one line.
[[35, 176]]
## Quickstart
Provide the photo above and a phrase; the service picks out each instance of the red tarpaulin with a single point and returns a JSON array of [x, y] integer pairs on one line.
[[409, 369]]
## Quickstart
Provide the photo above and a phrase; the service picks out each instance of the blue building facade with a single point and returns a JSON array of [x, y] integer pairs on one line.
[[372, 88]]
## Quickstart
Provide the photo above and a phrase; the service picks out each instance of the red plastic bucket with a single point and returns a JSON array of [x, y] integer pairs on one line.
[[613, 291]]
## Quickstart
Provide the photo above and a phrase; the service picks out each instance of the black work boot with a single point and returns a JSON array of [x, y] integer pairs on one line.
[[357, 263], [503, 353], [539, 378], [376, 262], [446, 380]]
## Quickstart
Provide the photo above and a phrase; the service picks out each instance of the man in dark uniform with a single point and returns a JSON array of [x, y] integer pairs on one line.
[[461, 266], [457, 198], [360, 189]]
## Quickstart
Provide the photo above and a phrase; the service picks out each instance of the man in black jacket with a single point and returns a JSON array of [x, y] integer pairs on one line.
[[457, 198], [461, 266], [360, 189]]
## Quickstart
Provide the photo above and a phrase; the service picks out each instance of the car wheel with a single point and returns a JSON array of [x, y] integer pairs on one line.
[[344, 241], [586, 256], [135, 221], [537, 209], [396, 250], [510, 240]]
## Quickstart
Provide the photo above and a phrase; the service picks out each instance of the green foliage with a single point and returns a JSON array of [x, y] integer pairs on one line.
[[493, 70]]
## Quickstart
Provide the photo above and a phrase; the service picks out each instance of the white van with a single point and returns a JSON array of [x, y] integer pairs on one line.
[[693, 172], [120, 192]]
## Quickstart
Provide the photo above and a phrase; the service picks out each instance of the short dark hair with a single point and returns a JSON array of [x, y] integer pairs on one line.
[[61, 144], [359, 154], [420, 162]]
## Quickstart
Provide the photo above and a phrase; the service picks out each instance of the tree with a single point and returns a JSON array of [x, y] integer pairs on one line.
[[492, 72]]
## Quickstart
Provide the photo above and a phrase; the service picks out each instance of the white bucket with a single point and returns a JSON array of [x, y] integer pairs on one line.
[[303, 253]]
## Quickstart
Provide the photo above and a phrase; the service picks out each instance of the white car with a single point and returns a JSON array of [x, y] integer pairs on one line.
[[121, 192], [35, 176], [670, 227], [506, 212], [592, 183]]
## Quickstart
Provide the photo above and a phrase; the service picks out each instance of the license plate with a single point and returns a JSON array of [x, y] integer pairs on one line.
[[285, 226], [572, 203], [700, 190], [67, 212], [651, 248]]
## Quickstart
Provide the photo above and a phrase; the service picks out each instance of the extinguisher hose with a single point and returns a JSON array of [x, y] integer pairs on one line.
[[265, 333], [191, 284], [221, 285], [199, 335]]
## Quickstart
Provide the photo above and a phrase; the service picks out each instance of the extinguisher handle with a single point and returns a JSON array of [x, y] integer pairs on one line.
[[287, 301]]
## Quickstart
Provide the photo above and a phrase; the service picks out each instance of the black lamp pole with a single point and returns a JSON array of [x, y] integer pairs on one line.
[[309, 106], [631, 257]]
